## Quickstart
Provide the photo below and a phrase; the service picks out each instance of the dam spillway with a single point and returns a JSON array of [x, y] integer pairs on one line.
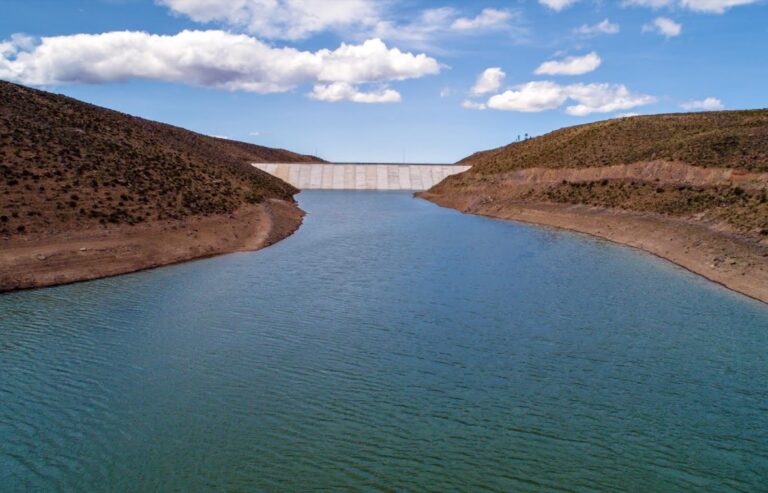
[[329, 176]]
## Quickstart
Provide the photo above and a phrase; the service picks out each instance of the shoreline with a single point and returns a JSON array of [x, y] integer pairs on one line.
[[724, 259], [98, 253]]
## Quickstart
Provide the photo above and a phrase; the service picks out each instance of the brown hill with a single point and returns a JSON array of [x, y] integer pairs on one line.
[[731, 139], [74, 175], [68, 165], [692, 188]]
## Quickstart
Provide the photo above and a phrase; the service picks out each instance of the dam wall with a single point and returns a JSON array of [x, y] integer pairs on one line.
[[413, 177]]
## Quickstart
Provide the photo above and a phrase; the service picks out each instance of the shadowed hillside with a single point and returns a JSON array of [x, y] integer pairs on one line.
[[67, 165], [730, 139]]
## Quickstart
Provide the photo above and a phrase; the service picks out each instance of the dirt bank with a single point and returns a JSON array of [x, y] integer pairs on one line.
[[734, 262], [657, 171], [41, 261]]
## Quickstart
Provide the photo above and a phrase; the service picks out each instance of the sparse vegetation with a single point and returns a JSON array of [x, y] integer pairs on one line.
[[78, 165], [729, 139], [746, 211]]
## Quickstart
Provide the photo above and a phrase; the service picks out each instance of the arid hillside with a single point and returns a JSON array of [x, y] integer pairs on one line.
[[708, 167], [724, 139], [692, 188], [86, 192], [66, 165]]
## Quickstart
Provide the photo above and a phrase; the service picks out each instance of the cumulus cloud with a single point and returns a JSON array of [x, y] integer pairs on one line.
[[604, 27], [17, 42], [603, 98], [589, 98], [573, 65], [208, 58], [489, 81], [707, 104], [472, 105], [488, 18], [530, 97], [664, 26], [343, 91], [708, 6], [280, 19], [557, 5]]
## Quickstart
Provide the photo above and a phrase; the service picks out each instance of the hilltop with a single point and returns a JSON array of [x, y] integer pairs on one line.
[[729, 139], [692, 188], [72, 170]]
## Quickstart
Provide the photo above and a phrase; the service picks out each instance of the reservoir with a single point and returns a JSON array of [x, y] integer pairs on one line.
[[389, 345]]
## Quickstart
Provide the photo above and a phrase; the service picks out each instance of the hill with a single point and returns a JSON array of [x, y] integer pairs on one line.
[[731, 139], [692, 188], [65, 164], [70, 169]]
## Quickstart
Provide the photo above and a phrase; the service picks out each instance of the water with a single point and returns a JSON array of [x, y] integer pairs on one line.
[[390, 345]]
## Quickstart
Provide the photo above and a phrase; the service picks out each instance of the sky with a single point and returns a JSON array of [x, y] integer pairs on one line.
[[389, 80]]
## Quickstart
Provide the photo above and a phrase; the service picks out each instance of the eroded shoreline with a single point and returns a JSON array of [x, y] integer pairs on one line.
[[739, 265], [93, 254]]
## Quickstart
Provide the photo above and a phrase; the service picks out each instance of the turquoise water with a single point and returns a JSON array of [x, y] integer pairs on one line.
[[390, 345]]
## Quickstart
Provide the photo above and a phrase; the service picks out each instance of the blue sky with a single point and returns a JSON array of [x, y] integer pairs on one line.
[[424, 81]]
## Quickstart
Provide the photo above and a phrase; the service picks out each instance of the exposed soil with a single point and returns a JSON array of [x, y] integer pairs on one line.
[[118, 249], [88, 192], [715, 230], [692, 188]]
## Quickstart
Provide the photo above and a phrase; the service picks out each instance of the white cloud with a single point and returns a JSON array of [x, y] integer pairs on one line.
[[604, 27], [708, 6], [343, 91], [665, 27], [299, 19], [627, 115], [557, 5], [18, 42], [489, 81], [530, 97], [654, 4], [445, 22], [280, 19], [707, 104], [420, 31], [714, 6], [254, 133], [603, 98], [590, 98], [488, 18], [445, 92], [573, 65], [471, 105], [208, 58]]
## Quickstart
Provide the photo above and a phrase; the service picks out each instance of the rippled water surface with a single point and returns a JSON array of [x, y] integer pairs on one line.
[[389, 345]]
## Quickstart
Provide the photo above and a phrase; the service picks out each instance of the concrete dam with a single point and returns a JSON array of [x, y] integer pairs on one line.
[[314, 176]]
